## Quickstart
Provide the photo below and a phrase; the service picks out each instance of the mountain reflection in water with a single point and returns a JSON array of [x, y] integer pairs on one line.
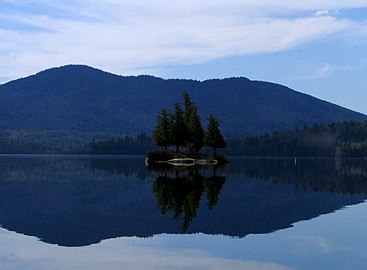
[[78, 201]]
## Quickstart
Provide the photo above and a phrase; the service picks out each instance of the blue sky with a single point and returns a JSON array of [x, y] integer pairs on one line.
[[315, 47]]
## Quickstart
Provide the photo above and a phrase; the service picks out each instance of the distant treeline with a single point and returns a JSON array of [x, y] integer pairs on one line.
[[344, 139], [128, 145], [49, 141], [14, 146]]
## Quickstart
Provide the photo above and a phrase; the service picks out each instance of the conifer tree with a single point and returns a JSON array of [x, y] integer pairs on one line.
[[179, 127], [183, 128], [189, 106], [162, 134], [195, 131], [213, 136]]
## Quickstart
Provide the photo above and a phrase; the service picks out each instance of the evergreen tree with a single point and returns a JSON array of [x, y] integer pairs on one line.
[[195, 132], [179, 127], [213, 135], [163, 132], [183, 128], [189, 106]]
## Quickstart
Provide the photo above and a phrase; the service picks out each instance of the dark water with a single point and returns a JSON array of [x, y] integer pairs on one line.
[[90, 203]]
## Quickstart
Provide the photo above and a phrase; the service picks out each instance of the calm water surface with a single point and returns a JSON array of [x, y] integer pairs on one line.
[[83, 212]]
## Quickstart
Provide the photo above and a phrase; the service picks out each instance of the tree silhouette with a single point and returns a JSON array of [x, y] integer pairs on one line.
[[162, 134], [181, 195], [212, 187], [184, 128], [213, 136], [179, 127], [188, 105], [195, 132]]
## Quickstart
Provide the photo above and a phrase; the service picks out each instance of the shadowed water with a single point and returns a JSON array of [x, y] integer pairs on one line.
[[79, 201]]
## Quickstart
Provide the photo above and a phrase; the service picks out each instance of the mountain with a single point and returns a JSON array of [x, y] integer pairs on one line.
[[79, 98]]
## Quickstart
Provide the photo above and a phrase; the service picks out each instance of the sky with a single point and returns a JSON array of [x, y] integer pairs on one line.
[[315, 47]]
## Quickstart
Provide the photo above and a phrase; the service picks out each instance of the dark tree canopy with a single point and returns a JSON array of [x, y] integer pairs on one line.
[[195, 132], [213, 135], [179, 127], [342, 139], [184, 128], [189, 106], [181, 195], [162, 134]]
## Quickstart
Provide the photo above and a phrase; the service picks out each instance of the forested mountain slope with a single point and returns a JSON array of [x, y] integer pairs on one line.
[[78, 98]]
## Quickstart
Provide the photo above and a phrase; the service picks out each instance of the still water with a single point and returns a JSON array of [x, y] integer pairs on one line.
[[84, 212]]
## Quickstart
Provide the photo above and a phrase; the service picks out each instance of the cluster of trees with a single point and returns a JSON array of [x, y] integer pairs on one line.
[[343, 139], [12, 146], [183, 128], [127, 145]]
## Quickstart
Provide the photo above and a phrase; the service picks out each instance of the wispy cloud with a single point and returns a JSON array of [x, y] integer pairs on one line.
[[319, 72], [322, 12], [123, 36]]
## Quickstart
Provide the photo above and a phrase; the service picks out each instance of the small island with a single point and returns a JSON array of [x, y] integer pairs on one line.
[[182, 130]]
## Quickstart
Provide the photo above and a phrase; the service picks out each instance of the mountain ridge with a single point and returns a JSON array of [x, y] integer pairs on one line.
[[86, 99]]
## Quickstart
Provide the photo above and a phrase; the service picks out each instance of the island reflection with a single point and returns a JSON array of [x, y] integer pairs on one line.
[[182, 193], [78, 201]]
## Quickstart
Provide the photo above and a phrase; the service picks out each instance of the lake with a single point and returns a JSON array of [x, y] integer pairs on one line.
[[112, 212]]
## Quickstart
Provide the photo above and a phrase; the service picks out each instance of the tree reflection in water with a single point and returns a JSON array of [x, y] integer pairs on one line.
[[182, 193]]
